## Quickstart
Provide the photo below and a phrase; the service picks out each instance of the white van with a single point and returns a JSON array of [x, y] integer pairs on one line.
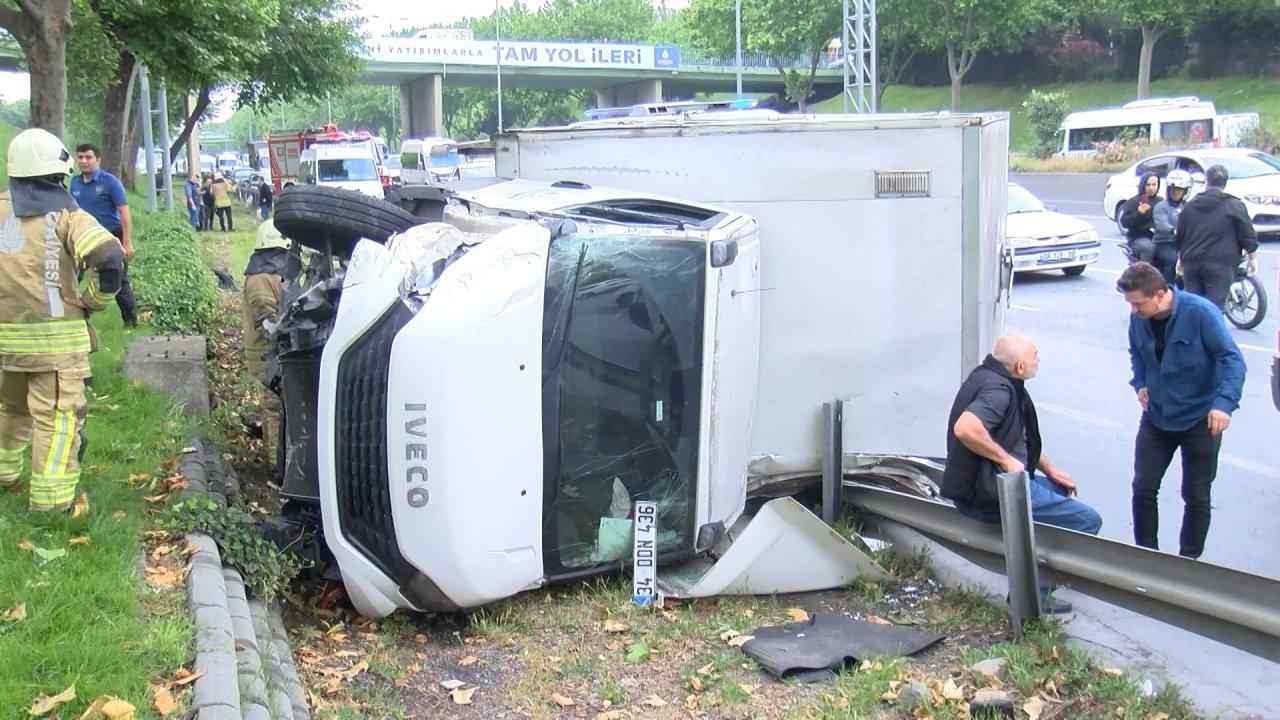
[[342, 165], [1181, 121], [429, 161]]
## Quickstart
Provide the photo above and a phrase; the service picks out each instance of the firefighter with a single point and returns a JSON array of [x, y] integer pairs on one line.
[[46, 241], [262, 286]]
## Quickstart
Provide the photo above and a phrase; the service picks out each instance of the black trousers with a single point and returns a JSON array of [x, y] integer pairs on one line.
[[1153, 451], [224, 212], [124, 298], [1211, 280]]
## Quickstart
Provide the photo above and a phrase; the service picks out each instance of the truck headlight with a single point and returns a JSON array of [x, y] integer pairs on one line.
[[1263, 199]]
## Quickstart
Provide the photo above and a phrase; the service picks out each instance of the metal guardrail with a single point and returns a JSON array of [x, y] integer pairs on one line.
[[1230, 606]]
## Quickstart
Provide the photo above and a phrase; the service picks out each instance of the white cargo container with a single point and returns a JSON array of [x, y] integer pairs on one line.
[[883, 259]]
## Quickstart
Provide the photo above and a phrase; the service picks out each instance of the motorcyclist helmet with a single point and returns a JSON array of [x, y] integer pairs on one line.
[[1179, 179]]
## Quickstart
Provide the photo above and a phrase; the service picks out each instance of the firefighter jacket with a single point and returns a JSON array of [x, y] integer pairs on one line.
[[43, 314], [261, 300]]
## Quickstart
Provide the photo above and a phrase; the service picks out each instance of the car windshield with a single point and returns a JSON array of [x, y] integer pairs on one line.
[[448, 159], [622, 379], [392, 161], [347, 170], [1245, 166], [1021, 200]]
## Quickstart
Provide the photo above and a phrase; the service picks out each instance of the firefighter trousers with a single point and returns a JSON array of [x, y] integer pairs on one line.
[[45, 410], [270, 405]]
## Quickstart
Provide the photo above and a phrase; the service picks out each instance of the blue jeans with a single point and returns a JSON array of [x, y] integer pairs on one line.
[[1049, 505], [193, 217], [264, 211]]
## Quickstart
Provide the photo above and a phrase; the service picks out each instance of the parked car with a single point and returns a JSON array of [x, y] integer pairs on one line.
[[1254, 178], [1042, 239]]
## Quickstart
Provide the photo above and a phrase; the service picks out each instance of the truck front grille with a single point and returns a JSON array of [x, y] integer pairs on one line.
[[360, 446]]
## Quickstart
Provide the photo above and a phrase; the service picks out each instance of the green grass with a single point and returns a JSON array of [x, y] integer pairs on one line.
[[1231, 94]]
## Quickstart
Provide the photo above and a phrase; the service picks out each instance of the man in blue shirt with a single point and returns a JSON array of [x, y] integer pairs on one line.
[[1188, 374], [192, 190], [101, 194]]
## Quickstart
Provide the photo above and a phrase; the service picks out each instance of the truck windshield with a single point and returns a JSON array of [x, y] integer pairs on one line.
[[347, 169], [622, 378]]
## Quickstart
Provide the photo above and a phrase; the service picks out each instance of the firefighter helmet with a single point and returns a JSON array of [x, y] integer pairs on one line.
[[36, 153], [269, 237]]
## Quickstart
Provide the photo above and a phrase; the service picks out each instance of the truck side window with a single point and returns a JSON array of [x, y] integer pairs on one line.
[[622, 374]]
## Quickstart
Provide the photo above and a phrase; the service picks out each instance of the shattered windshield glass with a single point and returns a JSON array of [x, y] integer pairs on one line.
[[622, 377]]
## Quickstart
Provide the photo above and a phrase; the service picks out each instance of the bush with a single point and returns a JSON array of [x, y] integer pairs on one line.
[[1260, 137], [1045, 111], [173, 288], [266, 569]]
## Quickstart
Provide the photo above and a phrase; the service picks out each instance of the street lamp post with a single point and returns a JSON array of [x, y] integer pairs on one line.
[[497, 31], [737, 36]]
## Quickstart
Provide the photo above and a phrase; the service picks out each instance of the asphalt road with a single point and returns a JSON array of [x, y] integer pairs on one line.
[[1088, 417]]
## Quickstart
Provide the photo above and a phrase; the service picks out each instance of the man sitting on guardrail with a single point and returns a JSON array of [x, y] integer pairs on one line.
[[993, 429]]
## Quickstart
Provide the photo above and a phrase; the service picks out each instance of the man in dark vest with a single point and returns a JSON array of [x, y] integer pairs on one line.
[[993, 429]]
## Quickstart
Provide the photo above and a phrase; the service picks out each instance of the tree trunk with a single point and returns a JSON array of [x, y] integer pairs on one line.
[[1150, 36], [117, 113], [189, 124], [132, 141], [41, 29], [956, 69]]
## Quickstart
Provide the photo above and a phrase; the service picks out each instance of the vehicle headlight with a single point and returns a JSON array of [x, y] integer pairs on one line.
[[1019, 242], [1089, 235], [1263, 199]]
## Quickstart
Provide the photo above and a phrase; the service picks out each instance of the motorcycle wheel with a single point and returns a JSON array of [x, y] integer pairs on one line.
[[1246, 303]]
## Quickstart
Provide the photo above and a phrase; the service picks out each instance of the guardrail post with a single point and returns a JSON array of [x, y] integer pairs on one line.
[[1019, 548], [833, 461]]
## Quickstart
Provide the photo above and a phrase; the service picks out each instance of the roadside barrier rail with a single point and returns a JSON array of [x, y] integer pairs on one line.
[[1231, 606]]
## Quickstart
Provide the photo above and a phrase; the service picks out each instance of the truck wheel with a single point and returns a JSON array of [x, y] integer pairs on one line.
[[318, 217]]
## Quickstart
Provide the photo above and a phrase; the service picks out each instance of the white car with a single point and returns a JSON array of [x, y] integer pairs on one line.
[[1042, 239], [350, 166], [1253, 176]]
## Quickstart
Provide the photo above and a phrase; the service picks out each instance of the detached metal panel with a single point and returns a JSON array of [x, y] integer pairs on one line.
[[880, 255]]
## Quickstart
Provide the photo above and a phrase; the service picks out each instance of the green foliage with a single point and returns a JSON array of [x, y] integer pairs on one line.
[[1045, 111], [1262, 138], [266, 569], [170, 280]]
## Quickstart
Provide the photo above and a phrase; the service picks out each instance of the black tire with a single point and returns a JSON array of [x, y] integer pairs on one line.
[[318, 217], [1074, 270], [1116, 217], [1246, 303]]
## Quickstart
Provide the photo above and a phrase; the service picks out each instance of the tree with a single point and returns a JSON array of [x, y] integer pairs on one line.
[[897, 42], [965, 28], [41, 28], [793, 33], [1154, 20]]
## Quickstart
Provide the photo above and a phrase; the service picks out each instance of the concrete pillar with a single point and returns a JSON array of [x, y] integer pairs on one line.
[[632, 93], [422, 107]]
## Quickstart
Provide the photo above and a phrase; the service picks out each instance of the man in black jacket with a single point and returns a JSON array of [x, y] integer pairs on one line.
[[1213, 230], [1137, 217], [993, 429]]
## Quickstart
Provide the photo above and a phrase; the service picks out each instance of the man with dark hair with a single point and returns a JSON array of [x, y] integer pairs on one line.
[[993, 429], [102, 195], [1212, 231], [1188, 375]]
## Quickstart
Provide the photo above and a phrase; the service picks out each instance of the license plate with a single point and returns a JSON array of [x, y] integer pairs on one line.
[[1057, 256]]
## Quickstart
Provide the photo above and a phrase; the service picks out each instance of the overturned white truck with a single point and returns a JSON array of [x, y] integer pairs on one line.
[[496, 390]]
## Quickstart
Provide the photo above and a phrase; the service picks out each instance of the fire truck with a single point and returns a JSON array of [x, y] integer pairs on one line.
[[285, 148]]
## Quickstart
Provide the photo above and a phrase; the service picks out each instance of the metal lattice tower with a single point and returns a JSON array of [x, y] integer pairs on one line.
[[860, 58]]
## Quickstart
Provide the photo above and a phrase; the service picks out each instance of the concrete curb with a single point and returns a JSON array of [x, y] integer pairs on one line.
[[241, 646]]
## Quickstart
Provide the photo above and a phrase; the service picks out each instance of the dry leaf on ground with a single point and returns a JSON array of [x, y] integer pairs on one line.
[[164, 703], [1033, 708], [461, 696], [741, 640], [43, 705], [653, 701], [876, 620], [451, 684], [950, 691], [78, 541], [614, 626], [107, 707], [25, 544], [561, 700], [468, 660], [80, 507], [797, 614], [183, 676], [17, 612]]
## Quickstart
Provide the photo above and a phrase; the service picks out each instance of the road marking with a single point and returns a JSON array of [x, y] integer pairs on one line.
[[1250, 465], [1109, 272], [1028, 308], [1257, 348], [1076, 415]]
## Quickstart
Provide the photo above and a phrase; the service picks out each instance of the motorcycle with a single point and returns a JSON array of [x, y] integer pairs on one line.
[[1246, 305]]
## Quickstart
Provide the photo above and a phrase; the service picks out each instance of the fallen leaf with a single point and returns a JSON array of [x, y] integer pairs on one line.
[[613, 626], [164, 703], [748, 612], [183, 676], [119, 514], [691, 702], [610, 715], [25, 544], [451, 684], [45, 704], [638, 652], [1119, 712], [80, 506], [47, 555], [332, 686], [747, 689], [17, 612], [107, 707], [155, 498], [561, 700], [876, 620], [707, 670], [1113, 671], [468, 660], [140, 477], [741, 640], [728, 635], [797, 614], [78, 541], [695, 683], [613, 645], [355, 670], [420, 638], [653, 701], [1033, 708], [950, 691]]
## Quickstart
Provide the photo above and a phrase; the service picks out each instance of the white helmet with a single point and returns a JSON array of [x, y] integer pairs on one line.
[[36, 152], [1179, 179], [269, 237]]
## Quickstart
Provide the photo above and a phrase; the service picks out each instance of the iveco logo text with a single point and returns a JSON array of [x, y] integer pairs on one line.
[[416, 474]]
